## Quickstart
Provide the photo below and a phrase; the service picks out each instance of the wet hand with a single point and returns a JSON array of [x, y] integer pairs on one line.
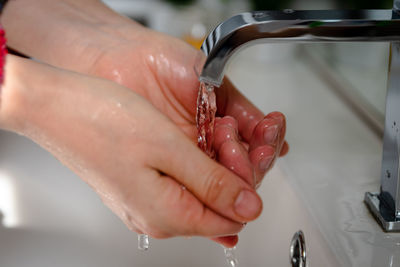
[[141, 164]]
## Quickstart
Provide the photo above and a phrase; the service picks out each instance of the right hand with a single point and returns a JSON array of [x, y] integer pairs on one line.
[[144, 167]]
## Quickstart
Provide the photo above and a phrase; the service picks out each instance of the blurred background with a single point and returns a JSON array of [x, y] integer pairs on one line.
[[185, 14]]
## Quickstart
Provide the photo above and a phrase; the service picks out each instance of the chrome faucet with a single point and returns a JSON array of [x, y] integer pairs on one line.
[[325, 26]]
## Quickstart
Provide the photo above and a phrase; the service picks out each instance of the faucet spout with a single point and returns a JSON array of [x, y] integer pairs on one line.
[[293, 26]]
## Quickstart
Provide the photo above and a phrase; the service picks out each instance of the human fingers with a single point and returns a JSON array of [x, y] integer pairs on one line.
[[267, 143], [285, 146], [281, 136], [231, 102], [269, 131], [285, 149], [226, 128], [235, 158], [262, 159], [230, 151], [215, 186], [226, 136], [163, 208]]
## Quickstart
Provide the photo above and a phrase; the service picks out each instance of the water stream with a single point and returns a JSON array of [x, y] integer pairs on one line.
[[205, 118], [143, 242]]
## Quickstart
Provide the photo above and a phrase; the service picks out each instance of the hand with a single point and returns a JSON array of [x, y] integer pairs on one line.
[[140, 163]]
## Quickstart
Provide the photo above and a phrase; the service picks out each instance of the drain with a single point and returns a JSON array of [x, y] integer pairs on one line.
[[298, 252]]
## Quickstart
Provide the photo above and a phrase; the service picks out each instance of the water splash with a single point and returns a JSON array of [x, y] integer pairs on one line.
[[143, 242], [205, 118], [231, 258]]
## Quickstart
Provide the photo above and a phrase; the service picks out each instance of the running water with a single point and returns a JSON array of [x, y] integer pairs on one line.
[[205, 119]]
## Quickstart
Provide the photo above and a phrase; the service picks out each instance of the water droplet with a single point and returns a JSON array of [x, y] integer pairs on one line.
[[230, 255], [143, 242], [117, 76]]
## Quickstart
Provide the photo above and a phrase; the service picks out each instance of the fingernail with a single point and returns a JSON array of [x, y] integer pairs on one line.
[[264, 163], [270, 134], [278, 116], [247, 205]]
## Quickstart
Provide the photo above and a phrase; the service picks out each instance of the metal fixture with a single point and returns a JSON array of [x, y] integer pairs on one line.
[[325, 26], [298, 251]]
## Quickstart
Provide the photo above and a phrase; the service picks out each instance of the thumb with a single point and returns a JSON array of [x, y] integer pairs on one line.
[[214, 185]]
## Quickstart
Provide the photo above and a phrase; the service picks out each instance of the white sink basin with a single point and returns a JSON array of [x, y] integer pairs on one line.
[[52, 218]]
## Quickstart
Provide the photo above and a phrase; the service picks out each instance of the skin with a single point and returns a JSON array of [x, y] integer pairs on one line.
[[145, 190]]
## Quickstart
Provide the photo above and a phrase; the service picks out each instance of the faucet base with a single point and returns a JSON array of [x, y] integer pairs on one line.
[[381, 213]]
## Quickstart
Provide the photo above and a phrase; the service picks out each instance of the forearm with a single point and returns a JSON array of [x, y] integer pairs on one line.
[[64, 32], [25, 94]]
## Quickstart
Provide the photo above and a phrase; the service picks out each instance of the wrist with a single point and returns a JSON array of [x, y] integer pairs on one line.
[[11, 95]]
